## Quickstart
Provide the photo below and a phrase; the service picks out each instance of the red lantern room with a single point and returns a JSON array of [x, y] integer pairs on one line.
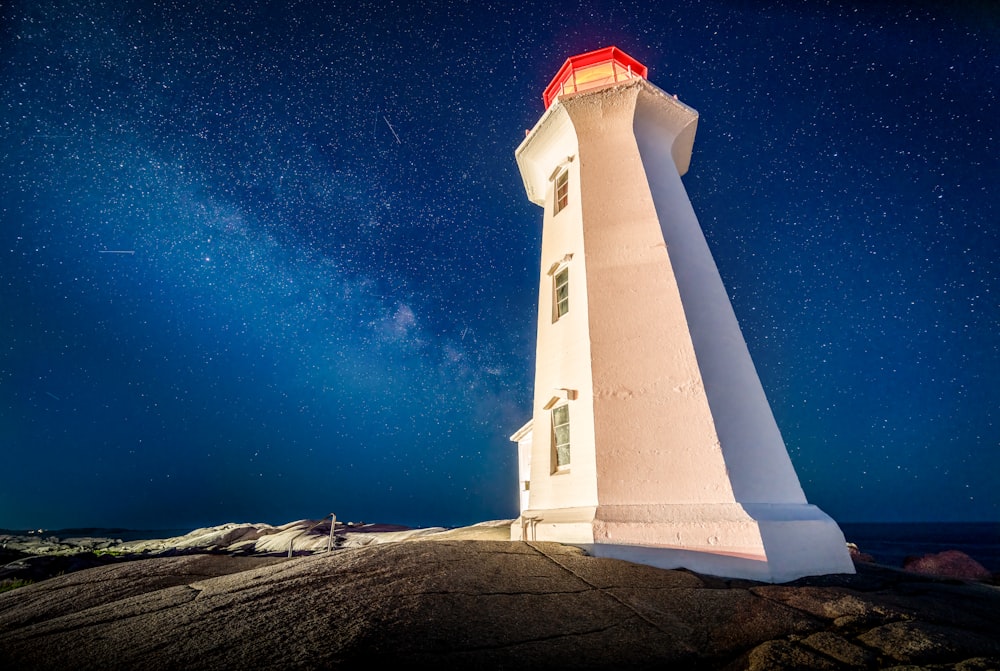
[[591, 70]]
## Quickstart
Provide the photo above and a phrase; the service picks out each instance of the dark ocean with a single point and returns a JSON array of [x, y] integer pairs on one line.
[[892, 542]]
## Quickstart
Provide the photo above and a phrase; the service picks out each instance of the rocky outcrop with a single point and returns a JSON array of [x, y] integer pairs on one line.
[[248, 538], [486, 605], [858, 556], [34, 557], [948, 564]]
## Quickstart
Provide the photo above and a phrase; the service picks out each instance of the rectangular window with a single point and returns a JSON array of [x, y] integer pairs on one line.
[[560, 437], [562, 191], [560, 294]]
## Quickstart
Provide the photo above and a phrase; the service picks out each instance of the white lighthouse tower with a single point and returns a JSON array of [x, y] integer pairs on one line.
[[651, 438]]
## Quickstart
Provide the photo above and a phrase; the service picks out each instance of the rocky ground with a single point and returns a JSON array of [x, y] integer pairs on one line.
[[42, 555], [445, 602]]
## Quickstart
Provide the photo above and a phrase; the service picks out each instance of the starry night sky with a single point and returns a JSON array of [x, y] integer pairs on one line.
[[267, 261]]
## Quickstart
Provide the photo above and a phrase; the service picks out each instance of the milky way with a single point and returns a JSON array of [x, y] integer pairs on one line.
[[273, 261]]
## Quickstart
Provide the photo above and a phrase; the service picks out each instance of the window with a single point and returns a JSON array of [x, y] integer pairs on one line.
[[560, 294], [562, 191], [560, 437], [559, 272]]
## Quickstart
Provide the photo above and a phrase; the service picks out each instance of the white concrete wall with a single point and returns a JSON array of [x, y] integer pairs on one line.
[[524, 448], [676, 456], [757, 460], [653, 424], [563, 356]]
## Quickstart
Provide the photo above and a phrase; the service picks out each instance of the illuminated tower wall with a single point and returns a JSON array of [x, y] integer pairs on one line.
[[651, 437]]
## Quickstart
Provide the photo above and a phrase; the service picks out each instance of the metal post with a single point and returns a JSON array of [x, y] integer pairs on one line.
[[333, 524]]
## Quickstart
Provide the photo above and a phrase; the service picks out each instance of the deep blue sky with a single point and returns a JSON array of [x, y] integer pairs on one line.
[[329, 297]]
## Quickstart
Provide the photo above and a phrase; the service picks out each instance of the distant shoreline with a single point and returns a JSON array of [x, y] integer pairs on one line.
[[40, 554], [890, 543]]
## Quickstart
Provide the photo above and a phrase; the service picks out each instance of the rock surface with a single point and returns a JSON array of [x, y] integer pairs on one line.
[[302, 535], [486, 604], [35, 557], [948, 564]]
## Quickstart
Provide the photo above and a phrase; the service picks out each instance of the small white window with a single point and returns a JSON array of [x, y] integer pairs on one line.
[[562, 191], [560, 437], [559, 272], [560, 294]]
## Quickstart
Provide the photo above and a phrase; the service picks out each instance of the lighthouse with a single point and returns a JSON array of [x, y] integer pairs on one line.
[[651, 438]]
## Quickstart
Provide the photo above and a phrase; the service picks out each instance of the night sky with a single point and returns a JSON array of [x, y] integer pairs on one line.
[[267, 261]]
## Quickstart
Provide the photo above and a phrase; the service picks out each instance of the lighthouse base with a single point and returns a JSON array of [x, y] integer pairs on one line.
[[765, 542]]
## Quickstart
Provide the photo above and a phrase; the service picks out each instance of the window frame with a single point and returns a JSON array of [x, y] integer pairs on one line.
[[560, 305], [560, 191], [560, 465], [556, 269]]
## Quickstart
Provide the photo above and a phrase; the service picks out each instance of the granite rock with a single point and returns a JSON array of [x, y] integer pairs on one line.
[[487, 605], [948, 564]]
